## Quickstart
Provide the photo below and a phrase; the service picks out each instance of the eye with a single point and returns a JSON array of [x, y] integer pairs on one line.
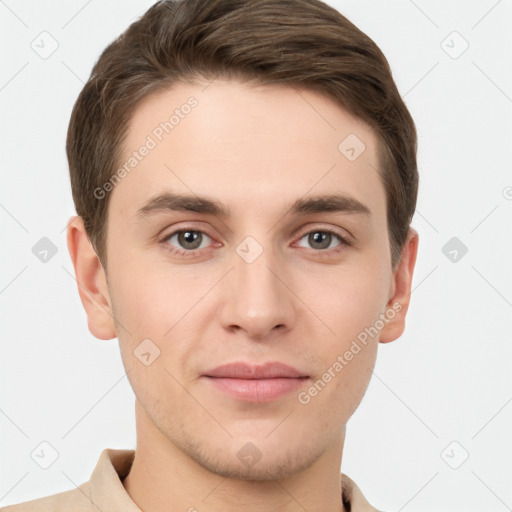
[[321, 240], [187, 240]]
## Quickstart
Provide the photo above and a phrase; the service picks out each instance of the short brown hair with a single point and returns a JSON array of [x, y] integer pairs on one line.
[[303, 43]]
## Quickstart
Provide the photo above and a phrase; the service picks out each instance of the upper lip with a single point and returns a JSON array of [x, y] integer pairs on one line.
[[241, 370]]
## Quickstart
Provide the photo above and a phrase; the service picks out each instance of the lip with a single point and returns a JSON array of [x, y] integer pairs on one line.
[[241, 370], [256, 383]]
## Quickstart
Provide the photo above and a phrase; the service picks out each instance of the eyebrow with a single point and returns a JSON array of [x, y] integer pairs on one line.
[[169, 201]]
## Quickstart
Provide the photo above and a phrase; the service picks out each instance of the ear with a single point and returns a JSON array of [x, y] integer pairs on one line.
[[91, 280], [400, 290]]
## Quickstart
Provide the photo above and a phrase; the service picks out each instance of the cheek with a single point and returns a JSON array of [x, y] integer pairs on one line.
[[149, 301], [352, 303], [350, 309], [342, 382], [335, 394], [156, 306]]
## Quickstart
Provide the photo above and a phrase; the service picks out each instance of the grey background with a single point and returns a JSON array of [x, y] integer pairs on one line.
[[440, 393]]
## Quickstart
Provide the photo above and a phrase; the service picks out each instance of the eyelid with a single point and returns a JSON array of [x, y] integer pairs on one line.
[[188, 226]]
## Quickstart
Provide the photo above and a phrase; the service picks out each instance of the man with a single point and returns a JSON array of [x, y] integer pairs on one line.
[[244, 175]]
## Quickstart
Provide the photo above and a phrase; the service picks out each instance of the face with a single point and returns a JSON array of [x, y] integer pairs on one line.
[[251, 268]]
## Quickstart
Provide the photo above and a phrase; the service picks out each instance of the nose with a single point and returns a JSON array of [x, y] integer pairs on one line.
[[257, 297]]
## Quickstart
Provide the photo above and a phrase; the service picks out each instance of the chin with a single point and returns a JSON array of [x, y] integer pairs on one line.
[[251, 464]]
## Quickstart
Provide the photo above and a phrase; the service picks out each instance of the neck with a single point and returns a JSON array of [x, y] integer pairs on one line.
[[163, 475]]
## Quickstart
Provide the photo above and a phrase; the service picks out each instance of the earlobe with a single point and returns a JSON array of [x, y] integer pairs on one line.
[[91, 281], [398, 304]]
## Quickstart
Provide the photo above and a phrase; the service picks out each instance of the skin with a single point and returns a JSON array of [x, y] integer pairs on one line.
[[256, 150]]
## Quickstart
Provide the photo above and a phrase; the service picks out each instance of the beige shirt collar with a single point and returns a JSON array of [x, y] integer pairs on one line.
[[108, 492]]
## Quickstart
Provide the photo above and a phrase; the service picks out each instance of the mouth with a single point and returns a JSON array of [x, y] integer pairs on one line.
[[256, 383]]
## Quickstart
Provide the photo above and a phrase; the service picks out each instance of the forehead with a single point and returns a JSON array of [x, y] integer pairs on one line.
[[243, 144]]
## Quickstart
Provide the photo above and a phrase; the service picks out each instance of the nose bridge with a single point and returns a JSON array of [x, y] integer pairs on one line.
[[258, 275], [259, 300]]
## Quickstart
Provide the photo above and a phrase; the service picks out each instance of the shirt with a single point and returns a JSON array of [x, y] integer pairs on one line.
[[105, 491]]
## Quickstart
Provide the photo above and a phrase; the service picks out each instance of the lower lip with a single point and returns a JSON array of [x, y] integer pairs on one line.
[[257, 390]]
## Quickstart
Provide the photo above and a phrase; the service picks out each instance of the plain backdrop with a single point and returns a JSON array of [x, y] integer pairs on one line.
[[433, 431]]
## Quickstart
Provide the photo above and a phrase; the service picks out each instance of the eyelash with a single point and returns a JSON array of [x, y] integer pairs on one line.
[[344, 242]]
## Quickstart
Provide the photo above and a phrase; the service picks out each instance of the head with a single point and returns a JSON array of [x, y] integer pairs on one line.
[[254, 111]]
